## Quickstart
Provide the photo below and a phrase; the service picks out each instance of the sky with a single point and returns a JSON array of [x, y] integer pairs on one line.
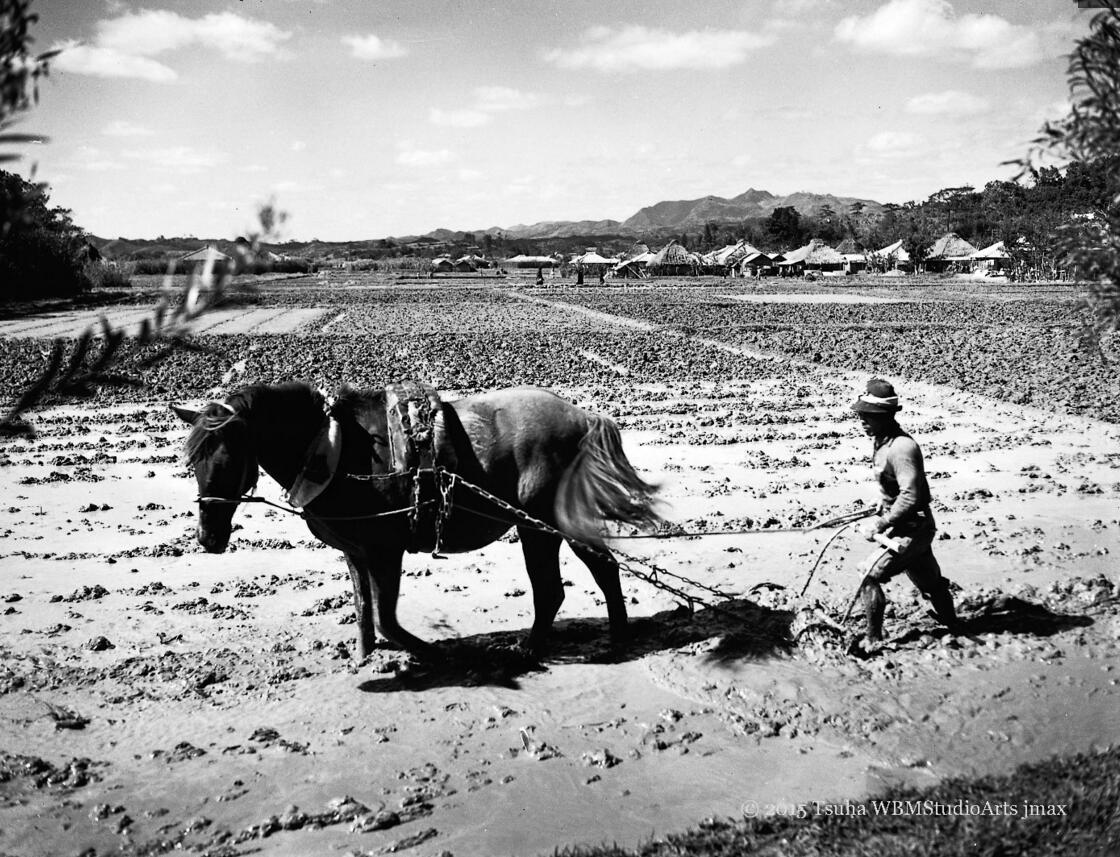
[[370, 119]]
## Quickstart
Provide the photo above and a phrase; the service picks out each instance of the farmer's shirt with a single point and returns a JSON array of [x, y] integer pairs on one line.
[[898, 466]]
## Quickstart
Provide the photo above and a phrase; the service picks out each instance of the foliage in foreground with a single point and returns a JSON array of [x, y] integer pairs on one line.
[[1091, 133], [1087, 786]]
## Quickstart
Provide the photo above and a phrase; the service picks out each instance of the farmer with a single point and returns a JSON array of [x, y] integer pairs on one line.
[[904, 527]]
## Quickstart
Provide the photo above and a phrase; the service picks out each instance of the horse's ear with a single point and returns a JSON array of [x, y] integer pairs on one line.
[[186, 415]]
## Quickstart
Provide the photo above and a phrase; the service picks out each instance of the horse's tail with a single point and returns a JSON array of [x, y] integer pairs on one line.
[[601, 485]]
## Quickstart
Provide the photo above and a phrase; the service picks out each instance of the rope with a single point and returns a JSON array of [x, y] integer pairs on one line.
[[820, 556]]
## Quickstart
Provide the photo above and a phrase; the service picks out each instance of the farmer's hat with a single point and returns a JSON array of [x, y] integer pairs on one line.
[[880, 398]]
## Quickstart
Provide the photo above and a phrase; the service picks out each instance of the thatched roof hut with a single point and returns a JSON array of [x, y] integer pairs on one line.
[[673, 259], [948, 250], [209, 253], [950, 246], [893, 253], [592, 259], [992, 258], [994, 251], [816, 254], [523, 261]]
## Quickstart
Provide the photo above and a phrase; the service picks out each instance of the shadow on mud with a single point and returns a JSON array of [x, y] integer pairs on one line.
[[745, 630], [1005, 614]]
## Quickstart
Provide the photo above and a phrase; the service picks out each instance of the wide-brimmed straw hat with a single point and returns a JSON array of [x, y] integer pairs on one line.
[[880, 398]]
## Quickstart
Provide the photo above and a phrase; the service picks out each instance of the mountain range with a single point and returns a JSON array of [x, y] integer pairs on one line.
[[676, 216], [654, 221]]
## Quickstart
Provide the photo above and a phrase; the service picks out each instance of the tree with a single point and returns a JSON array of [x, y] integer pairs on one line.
[[784, 226], [40, 251], [952, 199], [1090, 136], [19, 90]]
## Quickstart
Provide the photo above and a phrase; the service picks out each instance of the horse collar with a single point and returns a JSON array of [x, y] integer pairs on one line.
[[320, 464]]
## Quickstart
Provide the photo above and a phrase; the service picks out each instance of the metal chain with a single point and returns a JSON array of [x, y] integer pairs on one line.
[[652, 577], [445, 482]]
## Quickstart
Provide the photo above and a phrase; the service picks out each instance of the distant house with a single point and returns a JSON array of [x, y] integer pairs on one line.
[[635, 266], [991, 259], [523, 261], [760, 264], [814, 256], [948, 251], [673, 260], [892, 256], [209, 253], [726, 260], [442, 264], [855, 260]]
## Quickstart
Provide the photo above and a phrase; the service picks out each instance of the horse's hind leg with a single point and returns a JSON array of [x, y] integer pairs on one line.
[[363, 606], [604, 568], [542, 562]]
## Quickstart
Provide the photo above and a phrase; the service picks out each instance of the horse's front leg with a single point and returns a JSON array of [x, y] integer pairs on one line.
[[363, 604], [384, 574]]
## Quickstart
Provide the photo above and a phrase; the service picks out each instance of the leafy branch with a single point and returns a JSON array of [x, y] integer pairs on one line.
[[1090, 133], [80, 373]]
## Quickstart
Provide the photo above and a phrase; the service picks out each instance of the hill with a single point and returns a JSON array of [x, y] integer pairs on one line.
[[689, 214], [653, 221]]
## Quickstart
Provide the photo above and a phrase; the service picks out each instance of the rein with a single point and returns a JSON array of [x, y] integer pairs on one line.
[[252, 498]]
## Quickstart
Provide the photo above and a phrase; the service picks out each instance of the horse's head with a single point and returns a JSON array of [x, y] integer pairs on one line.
[[220, 451]]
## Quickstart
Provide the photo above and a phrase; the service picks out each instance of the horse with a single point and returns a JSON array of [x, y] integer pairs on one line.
[[526, 446]]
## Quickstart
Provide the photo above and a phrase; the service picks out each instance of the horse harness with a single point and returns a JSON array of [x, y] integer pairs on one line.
[[404, 452]]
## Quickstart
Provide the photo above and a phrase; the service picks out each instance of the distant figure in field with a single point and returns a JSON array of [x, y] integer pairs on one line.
[[904, 528]]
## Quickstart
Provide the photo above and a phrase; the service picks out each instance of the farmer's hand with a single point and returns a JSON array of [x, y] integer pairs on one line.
[[876, 526]]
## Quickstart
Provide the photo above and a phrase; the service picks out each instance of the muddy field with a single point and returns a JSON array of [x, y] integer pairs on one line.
[[156, 698]]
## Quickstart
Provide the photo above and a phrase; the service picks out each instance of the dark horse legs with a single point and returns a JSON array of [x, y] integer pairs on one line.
[[377, 587], [604, 568], [363, 605], [542, 562], [377, 584]]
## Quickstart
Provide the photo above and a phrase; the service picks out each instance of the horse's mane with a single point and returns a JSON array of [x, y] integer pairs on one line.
[[206, 432], [349, 399]]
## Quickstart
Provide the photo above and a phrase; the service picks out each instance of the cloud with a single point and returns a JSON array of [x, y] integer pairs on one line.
[[298, 145], [637, 48], [103, 62], [930, 28], [742, 160], [93, 160], [123, 47], [419, 158], [498, 98], [183, 159], [889, 146], [952, 102], [124, 128], [487, 100], [457, 118], [151, 31], [294, 186], [793, 8], [372, 47]]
